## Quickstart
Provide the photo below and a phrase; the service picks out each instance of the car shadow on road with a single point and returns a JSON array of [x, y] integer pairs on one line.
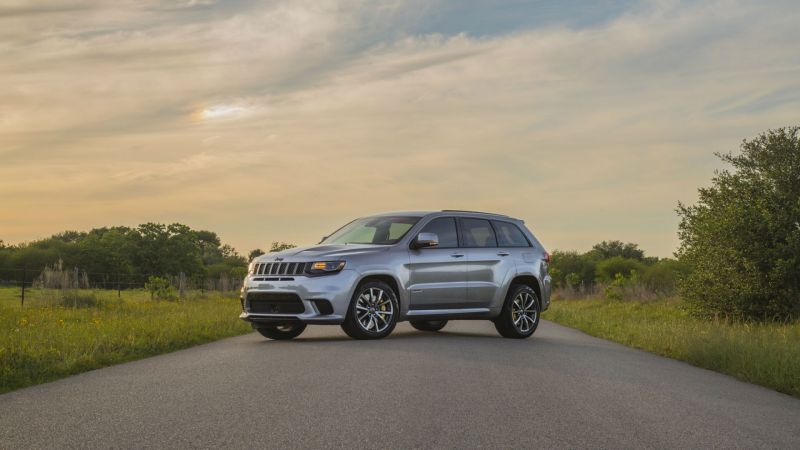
[[392, 337]]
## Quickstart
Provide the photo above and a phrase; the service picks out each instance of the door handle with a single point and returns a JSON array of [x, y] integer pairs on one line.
[[503, 253], [457, 255]]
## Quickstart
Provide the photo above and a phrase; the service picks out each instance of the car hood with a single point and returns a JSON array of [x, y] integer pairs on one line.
[[323, 251]]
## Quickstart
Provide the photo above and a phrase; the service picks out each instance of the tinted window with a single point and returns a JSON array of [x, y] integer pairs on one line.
[[445, 228], [382, 230], [398, 229], [508, 235], [478, 233]]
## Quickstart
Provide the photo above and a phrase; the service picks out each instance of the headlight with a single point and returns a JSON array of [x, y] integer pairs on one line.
[[323, 267]]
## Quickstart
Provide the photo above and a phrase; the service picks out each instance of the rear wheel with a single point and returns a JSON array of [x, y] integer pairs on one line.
[[281, 331], [373, 311], [428, 325], [520, 315]]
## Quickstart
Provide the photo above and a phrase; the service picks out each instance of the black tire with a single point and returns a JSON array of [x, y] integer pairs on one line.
[[428, 325], [375, 303], [282, 331], [520, 316]]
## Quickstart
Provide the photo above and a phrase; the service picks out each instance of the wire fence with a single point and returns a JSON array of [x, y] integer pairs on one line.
[[57, 278]]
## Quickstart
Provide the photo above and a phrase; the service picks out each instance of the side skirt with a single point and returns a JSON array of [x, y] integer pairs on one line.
[[459, 313]]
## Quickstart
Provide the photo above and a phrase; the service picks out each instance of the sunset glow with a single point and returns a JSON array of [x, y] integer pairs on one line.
[[283, 120]]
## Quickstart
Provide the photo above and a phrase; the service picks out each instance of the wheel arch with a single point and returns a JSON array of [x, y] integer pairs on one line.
[[530, 281], [389, 279]]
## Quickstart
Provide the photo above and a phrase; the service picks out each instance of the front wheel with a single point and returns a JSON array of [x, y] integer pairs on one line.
[[520, 315], [281, 332], [373, 311], [428, 325]]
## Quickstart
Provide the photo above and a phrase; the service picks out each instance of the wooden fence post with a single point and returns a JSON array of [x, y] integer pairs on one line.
[[22, 304]]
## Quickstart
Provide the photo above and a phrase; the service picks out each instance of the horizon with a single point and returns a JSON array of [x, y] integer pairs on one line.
[[265, 248], [282, 122]]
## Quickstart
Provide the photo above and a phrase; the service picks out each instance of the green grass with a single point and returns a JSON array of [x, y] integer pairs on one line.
[[763, 353], [47, 340]]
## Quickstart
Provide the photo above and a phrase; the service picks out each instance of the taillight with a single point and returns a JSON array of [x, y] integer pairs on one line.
[[546, 257]]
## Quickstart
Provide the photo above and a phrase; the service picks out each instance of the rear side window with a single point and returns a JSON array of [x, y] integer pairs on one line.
[[509, 235], [478, 233], [445, 228]]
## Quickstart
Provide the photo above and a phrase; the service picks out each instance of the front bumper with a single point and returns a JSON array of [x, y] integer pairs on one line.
[[337, 289]]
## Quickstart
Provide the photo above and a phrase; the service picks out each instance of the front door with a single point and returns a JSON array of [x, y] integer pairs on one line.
[[438, 275]]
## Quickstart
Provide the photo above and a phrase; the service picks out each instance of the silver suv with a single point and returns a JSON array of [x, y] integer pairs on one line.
[[424, 267]]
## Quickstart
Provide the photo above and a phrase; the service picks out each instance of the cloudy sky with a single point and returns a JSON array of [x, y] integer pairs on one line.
[[281, 120]]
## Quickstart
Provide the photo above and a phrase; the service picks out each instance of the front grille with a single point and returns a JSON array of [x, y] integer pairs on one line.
[[275, 303], [280, 268]]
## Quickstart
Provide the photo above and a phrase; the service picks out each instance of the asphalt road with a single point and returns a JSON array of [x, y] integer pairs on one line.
[[461, 388]]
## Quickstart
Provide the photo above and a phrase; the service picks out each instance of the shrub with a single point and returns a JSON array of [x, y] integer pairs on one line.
[[616, 289], [571, 264], [76, 298], [572, 280], [610, 249], [662, 277], [607, 270], [741, 241], [160, 289]]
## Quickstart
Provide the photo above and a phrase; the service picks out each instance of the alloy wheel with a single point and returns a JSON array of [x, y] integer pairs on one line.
[[374, 310], [523, 312]]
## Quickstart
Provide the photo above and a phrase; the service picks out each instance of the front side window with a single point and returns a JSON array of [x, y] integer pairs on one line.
[[380, 230], [445, 228], [509, 235], [478, 233]]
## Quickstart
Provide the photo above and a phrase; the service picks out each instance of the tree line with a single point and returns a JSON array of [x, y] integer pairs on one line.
[[149, 249], [739, 254], [612, 262]]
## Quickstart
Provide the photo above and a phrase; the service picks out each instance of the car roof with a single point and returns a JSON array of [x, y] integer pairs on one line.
[[448, 212]]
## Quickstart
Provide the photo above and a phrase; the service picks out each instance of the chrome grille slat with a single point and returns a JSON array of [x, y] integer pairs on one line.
[[280, 269]]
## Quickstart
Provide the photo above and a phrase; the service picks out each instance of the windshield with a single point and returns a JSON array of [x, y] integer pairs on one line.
[[382, 230]]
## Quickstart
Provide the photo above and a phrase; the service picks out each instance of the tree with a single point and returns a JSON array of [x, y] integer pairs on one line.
[[209, 243], [255, 253], [608, 269], [69, 236], [280, 246], [571, 268], [106, 251], [662, 277], [610, 249], [741, 241]]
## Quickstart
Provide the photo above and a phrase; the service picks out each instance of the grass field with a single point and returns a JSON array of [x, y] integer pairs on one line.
[[765, 354], [50, 339]]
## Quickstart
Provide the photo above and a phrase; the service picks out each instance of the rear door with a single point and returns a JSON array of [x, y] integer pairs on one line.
[[487, 265], [438, 276]]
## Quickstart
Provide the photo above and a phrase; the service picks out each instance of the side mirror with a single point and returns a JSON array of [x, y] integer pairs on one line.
[[425, 240]]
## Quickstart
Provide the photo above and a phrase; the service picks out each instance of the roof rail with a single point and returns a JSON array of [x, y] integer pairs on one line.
[[475, 212]]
